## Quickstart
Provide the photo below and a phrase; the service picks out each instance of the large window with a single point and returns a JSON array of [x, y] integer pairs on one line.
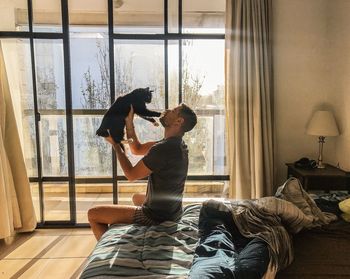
[[67, 61]]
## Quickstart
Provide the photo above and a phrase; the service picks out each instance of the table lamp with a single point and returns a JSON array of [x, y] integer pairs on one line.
[[322, 124]]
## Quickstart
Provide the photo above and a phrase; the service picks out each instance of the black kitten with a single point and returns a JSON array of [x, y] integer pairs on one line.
[[113, 122]]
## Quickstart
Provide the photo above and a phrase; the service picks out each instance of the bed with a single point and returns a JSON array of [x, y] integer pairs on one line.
[[172, 250]]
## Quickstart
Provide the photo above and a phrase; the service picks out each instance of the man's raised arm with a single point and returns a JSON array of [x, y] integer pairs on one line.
[[140, 170], [136, 147]]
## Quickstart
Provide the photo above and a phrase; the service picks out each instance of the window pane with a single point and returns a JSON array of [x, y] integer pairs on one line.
[[127, 189], [36, 199], [220, 145], [90, 69], [200, 145], [29, 144], [199, 191], [203, 90], [56, 201], [203, 79], [88, 12], [140, 63], [194, 191], [47, 16], [19, 73], [92, 154], [173, 73], [53, 138], [173, 16], [49, 74], [200, 16], [51, 104], [89, 195], [206, 143], [133, 16], [14, 15]]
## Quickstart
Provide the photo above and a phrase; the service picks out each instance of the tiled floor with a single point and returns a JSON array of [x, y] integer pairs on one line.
[[46, 253]]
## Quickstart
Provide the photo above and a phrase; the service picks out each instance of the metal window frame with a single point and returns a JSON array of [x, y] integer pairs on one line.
[[69, 111]]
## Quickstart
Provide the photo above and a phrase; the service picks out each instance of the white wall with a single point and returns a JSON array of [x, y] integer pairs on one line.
[[301, 78], [339, 83]]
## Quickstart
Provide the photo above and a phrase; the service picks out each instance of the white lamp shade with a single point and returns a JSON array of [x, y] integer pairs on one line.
[[323, 124]]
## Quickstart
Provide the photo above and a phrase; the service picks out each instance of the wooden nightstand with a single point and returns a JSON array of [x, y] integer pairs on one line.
[[328, 179]]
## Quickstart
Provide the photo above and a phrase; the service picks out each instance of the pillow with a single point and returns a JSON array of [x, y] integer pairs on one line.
[[291, 216], [345, 206], [346, 217], [293, 191]]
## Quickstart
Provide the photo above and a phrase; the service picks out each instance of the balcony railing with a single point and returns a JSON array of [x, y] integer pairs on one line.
[[56, 196]]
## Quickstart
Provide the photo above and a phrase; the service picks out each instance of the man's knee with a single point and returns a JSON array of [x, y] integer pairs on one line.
[[93, 214], [138, 199], [134, 198]]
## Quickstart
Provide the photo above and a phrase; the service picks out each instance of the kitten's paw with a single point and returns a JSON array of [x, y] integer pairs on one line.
[[128, 141], [156, 124]]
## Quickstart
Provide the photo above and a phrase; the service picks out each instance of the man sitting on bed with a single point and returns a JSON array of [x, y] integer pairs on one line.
[[165, 163]]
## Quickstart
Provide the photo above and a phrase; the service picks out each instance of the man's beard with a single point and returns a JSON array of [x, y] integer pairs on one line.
[[162, 121]]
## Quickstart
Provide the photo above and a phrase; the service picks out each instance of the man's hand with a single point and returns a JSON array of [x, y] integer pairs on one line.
[[129, 120]]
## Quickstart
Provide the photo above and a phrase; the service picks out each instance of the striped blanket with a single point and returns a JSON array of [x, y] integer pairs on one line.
[[134, 251]]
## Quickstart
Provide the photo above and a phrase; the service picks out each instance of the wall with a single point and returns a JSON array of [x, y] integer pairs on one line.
[[301, 78], [339, 63]]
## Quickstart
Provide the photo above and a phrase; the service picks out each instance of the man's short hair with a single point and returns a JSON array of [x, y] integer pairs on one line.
[[189, 116]]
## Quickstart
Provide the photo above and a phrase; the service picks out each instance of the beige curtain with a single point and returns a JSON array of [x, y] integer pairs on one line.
[[249, 98], [16, 206]]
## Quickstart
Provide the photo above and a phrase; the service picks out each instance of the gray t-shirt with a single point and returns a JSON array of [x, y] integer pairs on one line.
[[168, 161]]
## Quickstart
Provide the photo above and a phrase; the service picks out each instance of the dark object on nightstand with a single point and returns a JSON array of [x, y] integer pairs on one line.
[[327, 179], [305, 163]]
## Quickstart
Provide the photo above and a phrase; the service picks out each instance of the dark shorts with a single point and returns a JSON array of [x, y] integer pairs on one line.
[[141, 219]]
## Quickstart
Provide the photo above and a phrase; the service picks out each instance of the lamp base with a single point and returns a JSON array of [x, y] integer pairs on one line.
[[320, 164]]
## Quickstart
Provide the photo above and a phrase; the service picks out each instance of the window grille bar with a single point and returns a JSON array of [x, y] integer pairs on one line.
[[69, 111], [112, 92], [36, 112]]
